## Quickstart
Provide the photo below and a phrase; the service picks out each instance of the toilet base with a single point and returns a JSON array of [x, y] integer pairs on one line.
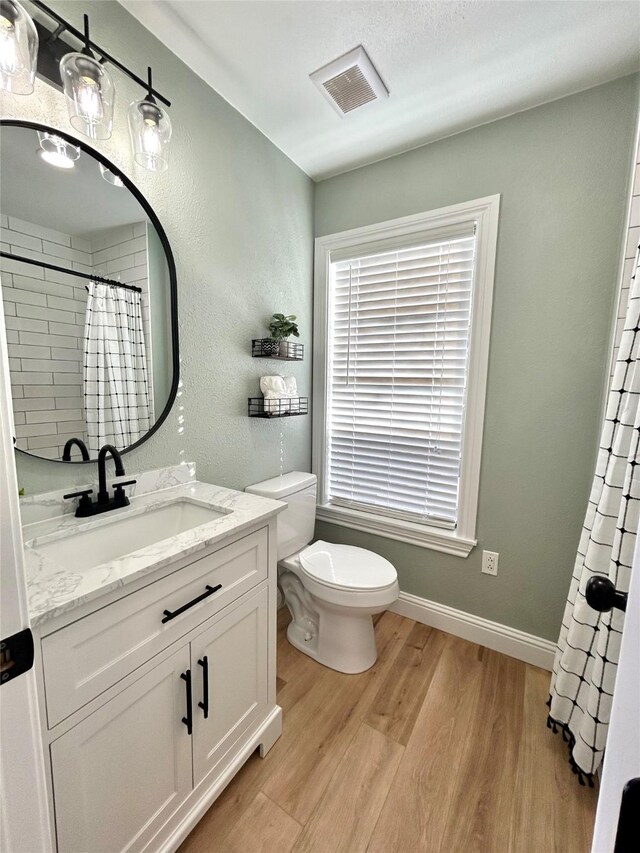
[[345, 641]]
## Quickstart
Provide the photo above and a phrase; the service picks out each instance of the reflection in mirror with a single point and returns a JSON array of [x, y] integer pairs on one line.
[[89, 309]]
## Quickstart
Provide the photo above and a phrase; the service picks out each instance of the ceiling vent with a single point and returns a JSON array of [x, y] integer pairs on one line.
[[350, 82]]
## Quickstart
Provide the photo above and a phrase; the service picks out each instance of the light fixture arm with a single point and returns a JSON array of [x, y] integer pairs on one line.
[[150, 85], [90, 46], [87, 41], [56, 33]]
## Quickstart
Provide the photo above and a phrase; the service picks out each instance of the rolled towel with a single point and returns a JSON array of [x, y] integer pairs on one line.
[[291, 390], [273, 384], [274, 391], [280, 394], [290, 386]]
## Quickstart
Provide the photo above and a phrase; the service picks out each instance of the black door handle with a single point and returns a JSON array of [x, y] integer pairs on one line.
[[627, 834], [209, 590], [188, 720], [204, 663], [602, 595]]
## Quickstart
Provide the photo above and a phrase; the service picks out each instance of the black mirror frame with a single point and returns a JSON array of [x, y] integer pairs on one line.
[[173, 283]]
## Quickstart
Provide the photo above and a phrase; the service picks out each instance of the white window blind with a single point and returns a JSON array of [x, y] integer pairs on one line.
[[398, 344]]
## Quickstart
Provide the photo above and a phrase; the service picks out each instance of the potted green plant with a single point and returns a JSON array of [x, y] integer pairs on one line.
[[281, 327]]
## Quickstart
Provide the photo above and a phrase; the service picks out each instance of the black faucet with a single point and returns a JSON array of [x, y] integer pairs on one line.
[[103, 503], [66, 455], [103, 494]]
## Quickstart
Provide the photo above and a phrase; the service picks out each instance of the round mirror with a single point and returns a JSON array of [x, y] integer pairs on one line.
[[89, 292]]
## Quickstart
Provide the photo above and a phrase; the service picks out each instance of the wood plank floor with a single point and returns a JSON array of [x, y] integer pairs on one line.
[[440, 747]]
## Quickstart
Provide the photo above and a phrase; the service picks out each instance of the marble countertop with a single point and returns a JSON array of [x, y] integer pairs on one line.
[[53, 589]]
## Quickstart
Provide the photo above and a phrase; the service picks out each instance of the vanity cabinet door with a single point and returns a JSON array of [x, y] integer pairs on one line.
[[230, 676], [122, 772]]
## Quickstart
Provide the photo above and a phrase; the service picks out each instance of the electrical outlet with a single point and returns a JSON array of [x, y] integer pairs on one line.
[[490, 562]]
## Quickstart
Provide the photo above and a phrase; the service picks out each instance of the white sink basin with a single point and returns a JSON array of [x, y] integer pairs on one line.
[[125, 534]]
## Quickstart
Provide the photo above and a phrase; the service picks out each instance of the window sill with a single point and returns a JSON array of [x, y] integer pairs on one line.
[[435, 538]]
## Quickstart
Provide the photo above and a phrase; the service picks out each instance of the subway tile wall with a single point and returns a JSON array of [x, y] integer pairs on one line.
[[45, 318], [45, 315]]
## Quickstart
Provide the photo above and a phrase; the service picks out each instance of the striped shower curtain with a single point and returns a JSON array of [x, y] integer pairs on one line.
[[116, 384]]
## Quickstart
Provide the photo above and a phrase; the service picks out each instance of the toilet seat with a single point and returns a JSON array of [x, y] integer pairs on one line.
[[345, 567]]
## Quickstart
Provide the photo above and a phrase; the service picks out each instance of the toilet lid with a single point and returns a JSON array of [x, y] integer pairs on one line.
[[346, 566]]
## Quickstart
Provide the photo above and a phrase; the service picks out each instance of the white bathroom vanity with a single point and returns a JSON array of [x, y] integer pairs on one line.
[[155, 668]]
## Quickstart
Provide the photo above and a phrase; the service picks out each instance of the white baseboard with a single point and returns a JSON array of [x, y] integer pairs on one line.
[[493, 635]]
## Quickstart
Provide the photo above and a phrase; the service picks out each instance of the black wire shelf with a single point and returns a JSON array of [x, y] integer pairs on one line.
[[281, 350], [283, 407]]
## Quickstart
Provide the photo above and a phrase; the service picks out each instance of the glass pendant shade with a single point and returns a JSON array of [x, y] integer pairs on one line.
[[90, 93], [111, 177], [56, 151], [150, 128], [18, 49]]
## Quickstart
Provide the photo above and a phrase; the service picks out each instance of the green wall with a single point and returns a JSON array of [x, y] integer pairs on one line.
[[562, 171], [239, 216]]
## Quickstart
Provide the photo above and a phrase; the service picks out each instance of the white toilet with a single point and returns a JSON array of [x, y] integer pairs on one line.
[[331, 590]]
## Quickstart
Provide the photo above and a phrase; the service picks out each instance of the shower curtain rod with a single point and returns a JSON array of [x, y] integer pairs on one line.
[[96, 278]]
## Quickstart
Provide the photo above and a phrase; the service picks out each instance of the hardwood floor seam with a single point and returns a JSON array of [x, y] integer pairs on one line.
[[359, 786], [280, 805], [301, 825], [373, 831]]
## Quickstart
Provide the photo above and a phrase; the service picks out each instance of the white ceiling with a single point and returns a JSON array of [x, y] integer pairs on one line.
[[448, 65]]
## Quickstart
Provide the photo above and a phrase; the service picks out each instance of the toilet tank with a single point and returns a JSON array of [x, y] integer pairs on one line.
[[296, 523]]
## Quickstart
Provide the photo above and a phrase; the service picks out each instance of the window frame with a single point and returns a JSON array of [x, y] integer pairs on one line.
[[484, 212]]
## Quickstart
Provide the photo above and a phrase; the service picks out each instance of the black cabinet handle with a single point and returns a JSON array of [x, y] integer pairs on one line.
[[204, 663], [602, 595], [188, 720], [209, 590]]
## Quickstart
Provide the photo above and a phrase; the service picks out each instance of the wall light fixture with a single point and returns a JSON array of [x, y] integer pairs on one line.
[[150, 128], [89, 91], [36, 45], [56, 151], [18, 49]]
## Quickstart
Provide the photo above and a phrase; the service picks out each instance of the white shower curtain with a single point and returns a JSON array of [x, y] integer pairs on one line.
[[116, 385], [586, 660]]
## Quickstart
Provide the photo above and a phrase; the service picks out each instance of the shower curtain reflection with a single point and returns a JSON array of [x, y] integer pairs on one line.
[[115, 377]]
